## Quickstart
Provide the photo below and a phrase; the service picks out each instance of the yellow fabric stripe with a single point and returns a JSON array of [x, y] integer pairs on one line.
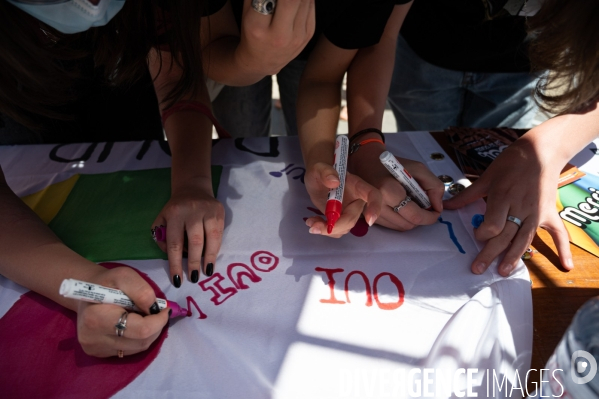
[[47, 202]]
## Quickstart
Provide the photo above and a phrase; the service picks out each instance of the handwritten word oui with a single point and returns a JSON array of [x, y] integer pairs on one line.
[[585, 213], [370, 292], [262, 261]]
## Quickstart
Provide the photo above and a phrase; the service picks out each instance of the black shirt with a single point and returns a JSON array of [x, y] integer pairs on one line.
[[349, 24], [456, 34]]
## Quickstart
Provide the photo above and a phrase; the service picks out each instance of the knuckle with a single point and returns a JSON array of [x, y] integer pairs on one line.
[[196, 239], [175, 246], [145, 333], [89, 321]]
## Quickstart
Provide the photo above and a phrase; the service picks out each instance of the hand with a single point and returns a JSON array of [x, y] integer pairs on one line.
[[193, 211], [96, 322], [366, 164], [358, 196], [520, 182], [269, 42]]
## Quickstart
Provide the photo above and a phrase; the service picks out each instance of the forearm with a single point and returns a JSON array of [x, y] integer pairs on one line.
[[32, 256], [319, 101], [369, 76], [559, 139], [189, 132], [318, 109]]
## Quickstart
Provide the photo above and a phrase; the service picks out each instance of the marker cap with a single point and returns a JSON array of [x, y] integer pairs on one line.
[[333, 213], [177, 310]]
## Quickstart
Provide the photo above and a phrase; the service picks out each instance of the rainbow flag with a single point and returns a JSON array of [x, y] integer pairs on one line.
[[108, 216]]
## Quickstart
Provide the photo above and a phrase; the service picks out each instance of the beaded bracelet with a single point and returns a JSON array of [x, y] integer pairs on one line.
[[196, 106], [356, 146], [369, 130]]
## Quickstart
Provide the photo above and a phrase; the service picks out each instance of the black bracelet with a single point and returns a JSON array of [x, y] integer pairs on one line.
[[369, 130]]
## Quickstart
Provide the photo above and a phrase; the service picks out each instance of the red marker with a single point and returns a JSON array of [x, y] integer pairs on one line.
[[335, 198]]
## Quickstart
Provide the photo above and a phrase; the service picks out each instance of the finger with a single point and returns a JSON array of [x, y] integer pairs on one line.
[[349, 217], [159, 222], [195, 244], [317, 225], [174, 249], [493, 248], [418, 216], [214, 236], [370, 195], [519, 245], [561, 238], [285, 15], [392, 220], [476, 190], [131, 283], [140, 333], [495, 218], [304, 14], [430, 183], [252, 18], [311, 20], [142, 327], [327, 175]]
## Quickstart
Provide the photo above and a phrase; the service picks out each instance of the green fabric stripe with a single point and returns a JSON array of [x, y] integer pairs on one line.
[[109, 216]]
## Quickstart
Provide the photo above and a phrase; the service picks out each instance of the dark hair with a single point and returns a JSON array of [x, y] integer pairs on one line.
[[42, 70], [565, 41]]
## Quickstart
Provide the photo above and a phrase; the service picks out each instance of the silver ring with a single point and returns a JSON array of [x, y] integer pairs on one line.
[[514, 220], [121, 326], [264, 7], [402, 204]]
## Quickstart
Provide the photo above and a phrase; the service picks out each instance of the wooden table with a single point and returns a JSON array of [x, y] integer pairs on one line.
[[556, 293]]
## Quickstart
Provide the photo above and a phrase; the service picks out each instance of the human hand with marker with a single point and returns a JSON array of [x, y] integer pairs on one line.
[[359, 197], [269, 42], [194, 222], [96, 330], [521, 188], [399, 212]]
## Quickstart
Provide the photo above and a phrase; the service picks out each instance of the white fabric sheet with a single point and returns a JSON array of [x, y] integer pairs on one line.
[[276, 338]]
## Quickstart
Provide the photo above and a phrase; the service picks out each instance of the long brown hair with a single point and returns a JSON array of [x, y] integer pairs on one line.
[[565, 41], [42, 70]]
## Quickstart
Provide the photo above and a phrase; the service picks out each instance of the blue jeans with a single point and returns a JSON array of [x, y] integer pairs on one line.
[[426, 97], [246, 111]]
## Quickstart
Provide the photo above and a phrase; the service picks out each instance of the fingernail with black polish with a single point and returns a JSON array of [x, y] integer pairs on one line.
[[176, 281], [170, 312], [154, 309], [209, 269], [195, 276]]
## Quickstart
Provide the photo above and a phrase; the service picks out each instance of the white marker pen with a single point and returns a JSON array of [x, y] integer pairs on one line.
[[90, 292], [411, 186], [335, 198]]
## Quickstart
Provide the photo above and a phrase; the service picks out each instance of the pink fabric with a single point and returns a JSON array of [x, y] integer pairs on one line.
[[44, 358]]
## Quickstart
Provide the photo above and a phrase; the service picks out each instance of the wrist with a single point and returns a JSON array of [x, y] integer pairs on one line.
[[199, 182]]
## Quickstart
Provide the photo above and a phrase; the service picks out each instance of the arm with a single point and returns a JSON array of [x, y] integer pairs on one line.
[[192, 208], [368, 81], [264, 46], [522, 182], [318, 107], [32, 256]]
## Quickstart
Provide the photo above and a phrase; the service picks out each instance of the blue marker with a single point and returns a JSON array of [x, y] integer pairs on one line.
[[477, 220]]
